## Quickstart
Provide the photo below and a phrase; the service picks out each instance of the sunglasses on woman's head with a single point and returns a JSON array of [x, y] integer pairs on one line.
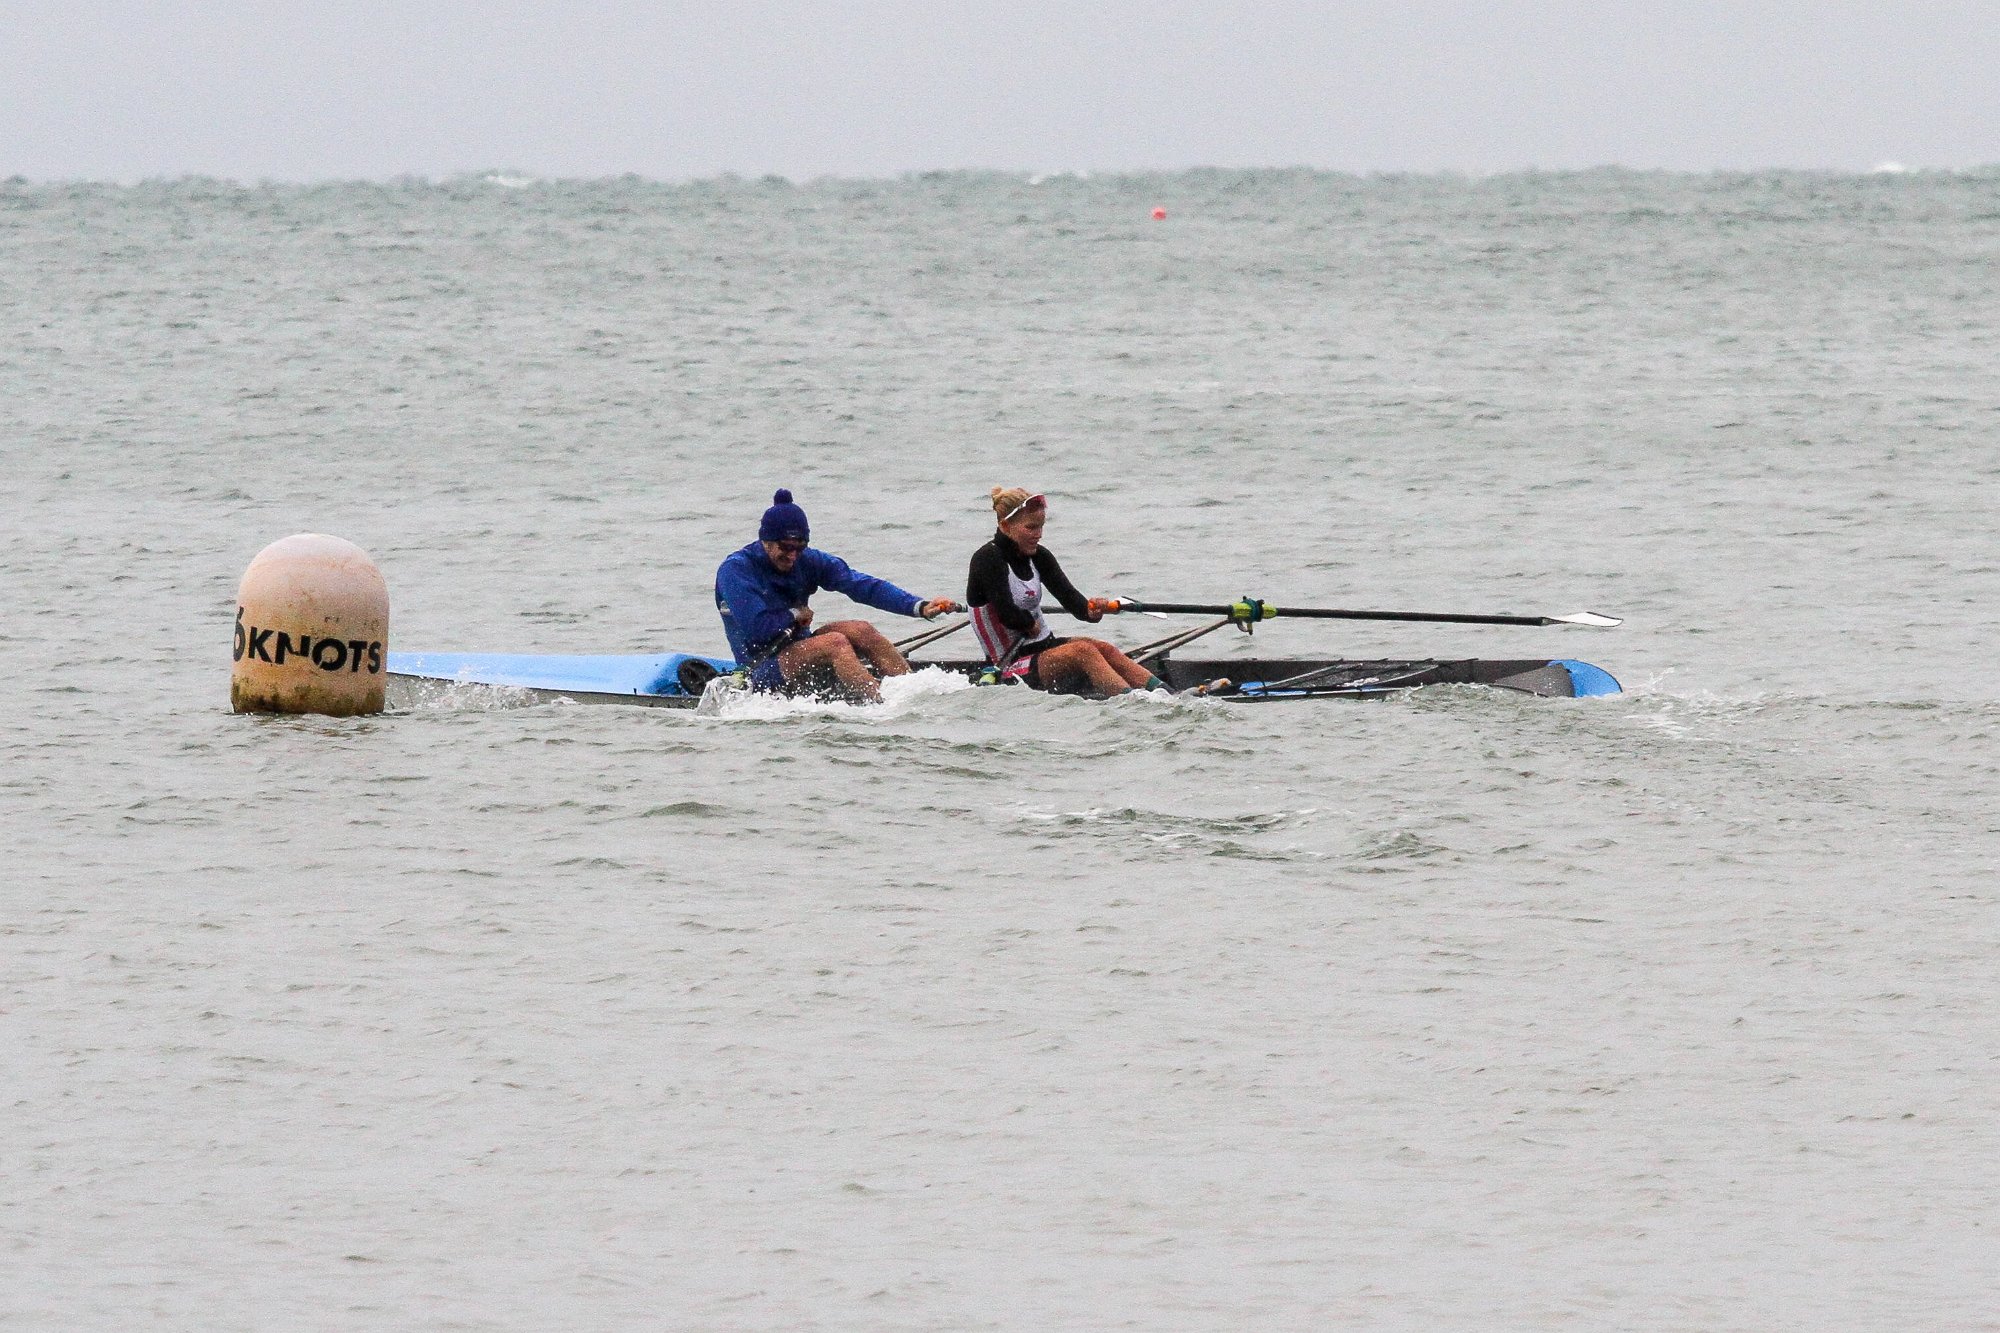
[[1033, 502]]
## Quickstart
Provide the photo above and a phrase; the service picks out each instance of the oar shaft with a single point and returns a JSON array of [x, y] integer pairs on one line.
[[917, 641], [1322, 613], [1243, 611]]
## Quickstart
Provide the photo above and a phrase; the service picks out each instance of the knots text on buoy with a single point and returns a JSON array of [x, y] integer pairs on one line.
[[312, 630]]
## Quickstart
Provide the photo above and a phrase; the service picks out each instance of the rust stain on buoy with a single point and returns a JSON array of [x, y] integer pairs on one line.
[[312, 630]]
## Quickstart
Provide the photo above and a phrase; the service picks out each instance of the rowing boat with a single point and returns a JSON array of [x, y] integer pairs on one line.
[[679, 680], [683, 680]]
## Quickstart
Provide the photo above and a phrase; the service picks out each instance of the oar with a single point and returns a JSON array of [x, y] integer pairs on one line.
[[917, 641], [1146, 652], [1249, 610], [1132, 604]]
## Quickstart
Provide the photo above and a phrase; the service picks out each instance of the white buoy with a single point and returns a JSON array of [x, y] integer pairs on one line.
[[312, 630]]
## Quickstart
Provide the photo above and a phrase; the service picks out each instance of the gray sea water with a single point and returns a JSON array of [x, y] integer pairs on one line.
[[981, 1009]]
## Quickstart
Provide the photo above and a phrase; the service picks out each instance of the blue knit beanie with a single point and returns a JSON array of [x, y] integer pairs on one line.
[[784, 521]]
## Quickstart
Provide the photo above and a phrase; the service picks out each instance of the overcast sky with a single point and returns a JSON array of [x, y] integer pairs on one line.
[[123, 90]]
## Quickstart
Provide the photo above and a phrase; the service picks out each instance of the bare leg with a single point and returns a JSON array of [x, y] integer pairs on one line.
[[836, 654], [1081, 657], [1132, 672], [873, 646]]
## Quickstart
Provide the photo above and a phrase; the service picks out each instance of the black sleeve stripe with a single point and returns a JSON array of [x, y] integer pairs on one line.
[[981, 577], [1056, 582]]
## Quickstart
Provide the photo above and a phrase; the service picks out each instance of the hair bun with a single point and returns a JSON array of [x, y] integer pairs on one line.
[[783, 497]]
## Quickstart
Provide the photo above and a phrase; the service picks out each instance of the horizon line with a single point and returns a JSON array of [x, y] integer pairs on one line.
[[522, 178]]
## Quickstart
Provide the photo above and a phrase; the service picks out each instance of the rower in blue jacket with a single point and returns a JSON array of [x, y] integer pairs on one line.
[[762, 593]]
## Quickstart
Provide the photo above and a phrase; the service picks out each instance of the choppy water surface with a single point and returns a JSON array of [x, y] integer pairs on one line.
[[982, 1009]]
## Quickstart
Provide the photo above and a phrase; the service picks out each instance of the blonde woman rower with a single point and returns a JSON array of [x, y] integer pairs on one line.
[[1004, 589]]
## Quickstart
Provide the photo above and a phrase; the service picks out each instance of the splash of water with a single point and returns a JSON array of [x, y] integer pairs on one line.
[[730, 702]]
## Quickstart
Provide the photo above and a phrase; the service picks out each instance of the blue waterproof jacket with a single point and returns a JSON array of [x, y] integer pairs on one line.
[[756, 601]]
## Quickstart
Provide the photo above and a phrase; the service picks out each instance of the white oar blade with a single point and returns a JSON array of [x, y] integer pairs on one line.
[[1133, 604], [1587, 618]]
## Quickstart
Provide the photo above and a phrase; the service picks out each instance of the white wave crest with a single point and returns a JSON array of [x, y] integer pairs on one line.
[[451, 696], [732, 703]]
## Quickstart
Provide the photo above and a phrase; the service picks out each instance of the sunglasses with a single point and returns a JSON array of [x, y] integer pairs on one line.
[[1032, 504], [791, 548]]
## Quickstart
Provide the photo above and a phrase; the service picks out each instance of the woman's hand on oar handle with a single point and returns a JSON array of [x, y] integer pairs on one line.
[[939, 606], [1101, 607]]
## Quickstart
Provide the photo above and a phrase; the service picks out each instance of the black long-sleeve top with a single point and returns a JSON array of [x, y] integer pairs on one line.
[[986, 583]]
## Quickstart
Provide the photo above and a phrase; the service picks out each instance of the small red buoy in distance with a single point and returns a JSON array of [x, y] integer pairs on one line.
[[1159, 215]]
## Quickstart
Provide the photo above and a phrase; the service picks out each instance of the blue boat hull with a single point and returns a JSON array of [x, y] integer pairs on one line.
[[634, 676]]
